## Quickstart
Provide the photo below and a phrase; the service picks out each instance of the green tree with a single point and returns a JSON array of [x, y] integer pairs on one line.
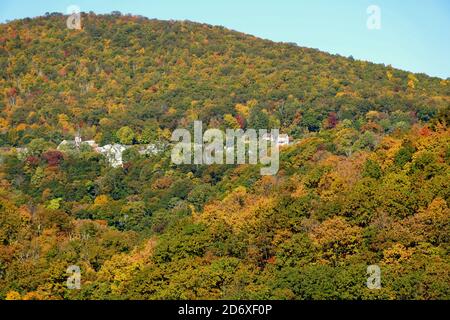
[[125, 135], [372, 169]]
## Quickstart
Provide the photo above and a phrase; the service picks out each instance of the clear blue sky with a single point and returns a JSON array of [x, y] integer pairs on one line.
[[414, 35]]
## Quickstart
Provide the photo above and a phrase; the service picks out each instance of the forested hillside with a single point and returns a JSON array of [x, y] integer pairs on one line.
[[366, 181]]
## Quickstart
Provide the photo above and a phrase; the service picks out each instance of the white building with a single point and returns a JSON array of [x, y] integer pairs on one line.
[[76, 143], [113, 153], [283, 140]]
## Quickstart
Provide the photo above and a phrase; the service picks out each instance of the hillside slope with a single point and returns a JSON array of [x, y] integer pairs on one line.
[[125, 70], [366, 182]]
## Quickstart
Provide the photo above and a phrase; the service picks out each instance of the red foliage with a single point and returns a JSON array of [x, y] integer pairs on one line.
[[272, 260], [12, 92], [332, 120], [32, 160], [425, 131], [241, 121], [127, 166], [53, 157], [62, 72]]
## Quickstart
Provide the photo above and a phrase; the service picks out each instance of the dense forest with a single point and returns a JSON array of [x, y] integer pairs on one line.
[[366, 180]]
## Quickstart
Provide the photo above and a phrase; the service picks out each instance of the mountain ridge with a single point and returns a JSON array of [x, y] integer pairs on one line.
[[295, 44], [121, 69]]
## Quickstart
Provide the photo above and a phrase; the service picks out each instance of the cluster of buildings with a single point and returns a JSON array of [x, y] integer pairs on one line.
[[112, 152]]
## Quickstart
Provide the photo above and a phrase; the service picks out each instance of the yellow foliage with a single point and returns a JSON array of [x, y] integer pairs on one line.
[[113, 108], [101, 200], [237, 210], [389, 75], [396, 254], [336, 238], [330, 185], [3, 124], [21, 127], [412, 80], [436, 141], [252, 103], [242, 110], [346, 93], [63, 118], [105, 122], [25, 213], [13, 295], [300, 191], [230, 121], [372, 115], [387, 150], [164, 133], [33, 296], [191, 115], [171, 111]]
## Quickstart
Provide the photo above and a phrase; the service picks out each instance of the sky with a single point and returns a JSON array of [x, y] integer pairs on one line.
[[413, 35]]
